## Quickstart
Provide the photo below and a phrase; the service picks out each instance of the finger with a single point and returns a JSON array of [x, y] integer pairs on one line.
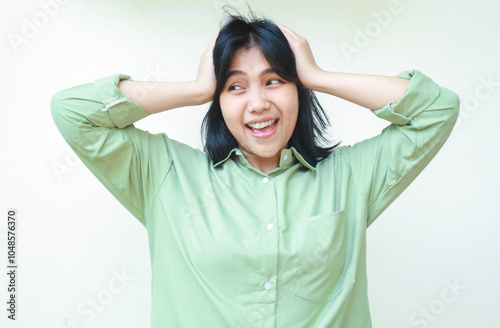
[[211, 43], [289, 37], [288, 32], [285, 30]]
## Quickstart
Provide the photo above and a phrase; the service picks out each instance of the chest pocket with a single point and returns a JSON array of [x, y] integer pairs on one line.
[[323, 271]]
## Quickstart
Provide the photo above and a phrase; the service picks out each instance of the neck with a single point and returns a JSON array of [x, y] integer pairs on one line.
[[263, 164]]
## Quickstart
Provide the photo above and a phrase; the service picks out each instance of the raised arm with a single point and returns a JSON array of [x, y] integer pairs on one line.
[[156, 97], [370, 91], [422, 114], [96, 120]]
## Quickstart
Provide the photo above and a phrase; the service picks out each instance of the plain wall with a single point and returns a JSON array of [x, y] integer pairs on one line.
[[84, 260]]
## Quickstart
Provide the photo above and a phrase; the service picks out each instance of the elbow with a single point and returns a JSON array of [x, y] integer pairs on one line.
[[61, 115], [455, 108], [56, 104], [452, 107]]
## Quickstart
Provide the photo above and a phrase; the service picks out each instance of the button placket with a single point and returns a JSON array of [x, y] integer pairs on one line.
[[269, 246]]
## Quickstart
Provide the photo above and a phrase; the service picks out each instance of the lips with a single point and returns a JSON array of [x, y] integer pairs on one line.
[[263, 129]]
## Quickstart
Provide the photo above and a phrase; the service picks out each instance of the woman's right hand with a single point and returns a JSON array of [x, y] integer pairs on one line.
[[160, 96], [206, 74]]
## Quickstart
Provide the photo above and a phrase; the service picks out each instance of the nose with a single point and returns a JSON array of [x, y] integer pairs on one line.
[[258, 101]]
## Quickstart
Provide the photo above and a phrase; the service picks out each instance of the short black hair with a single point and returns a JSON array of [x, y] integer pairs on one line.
[[242, 33]]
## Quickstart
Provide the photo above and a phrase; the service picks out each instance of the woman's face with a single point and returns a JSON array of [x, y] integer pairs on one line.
[[259, 107]]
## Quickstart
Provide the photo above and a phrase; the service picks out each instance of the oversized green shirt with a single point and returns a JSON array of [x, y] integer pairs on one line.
[[233, 247]]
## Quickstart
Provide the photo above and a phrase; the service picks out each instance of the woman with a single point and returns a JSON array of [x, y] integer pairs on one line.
[[267, 228]]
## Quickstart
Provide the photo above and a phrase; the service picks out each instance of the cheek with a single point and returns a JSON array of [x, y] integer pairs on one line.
[[291, 104], [230, 115], [292, 112], [292, 122]]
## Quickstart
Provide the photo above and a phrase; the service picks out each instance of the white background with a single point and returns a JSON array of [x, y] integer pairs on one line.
[[84, 260]]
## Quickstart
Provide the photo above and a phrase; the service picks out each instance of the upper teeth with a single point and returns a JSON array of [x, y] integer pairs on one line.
[[261, 125]]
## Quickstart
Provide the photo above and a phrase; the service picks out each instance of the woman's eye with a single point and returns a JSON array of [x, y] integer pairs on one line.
[[271, 82], [235, 88]]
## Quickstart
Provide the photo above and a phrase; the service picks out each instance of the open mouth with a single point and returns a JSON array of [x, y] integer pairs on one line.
[[263, 129]]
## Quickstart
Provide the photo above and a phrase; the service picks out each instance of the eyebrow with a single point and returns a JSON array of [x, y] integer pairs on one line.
[[238, 72]]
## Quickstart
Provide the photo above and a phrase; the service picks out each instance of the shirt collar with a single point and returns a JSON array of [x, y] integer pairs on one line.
[[288, 157]]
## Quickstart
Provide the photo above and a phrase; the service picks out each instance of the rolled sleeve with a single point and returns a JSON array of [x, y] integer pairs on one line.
[[419, 94], [122, 112]]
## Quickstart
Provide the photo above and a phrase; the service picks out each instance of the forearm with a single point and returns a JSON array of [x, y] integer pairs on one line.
[[156, 97], [370, 91]]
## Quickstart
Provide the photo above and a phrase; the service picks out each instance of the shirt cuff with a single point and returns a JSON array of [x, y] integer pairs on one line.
[[122, 112], [419, 94]]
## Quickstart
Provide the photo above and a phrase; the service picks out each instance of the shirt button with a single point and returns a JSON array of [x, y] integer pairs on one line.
[[270, 226], [267, 285], [285, 157], [265, 180]]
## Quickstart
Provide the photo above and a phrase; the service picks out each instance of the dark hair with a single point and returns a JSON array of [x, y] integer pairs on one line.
[[238, 33]]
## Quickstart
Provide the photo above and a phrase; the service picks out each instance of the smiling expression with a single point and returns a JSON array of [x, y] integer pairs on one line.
[[259, 107]]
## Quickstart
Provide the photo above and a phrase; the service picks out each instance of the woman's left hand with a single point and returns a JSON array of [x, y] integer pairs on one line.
[[307, 68]]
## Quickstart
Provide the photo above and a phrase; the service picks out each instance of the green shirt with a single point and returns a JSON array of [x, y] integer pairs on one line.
[[233, 247]]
